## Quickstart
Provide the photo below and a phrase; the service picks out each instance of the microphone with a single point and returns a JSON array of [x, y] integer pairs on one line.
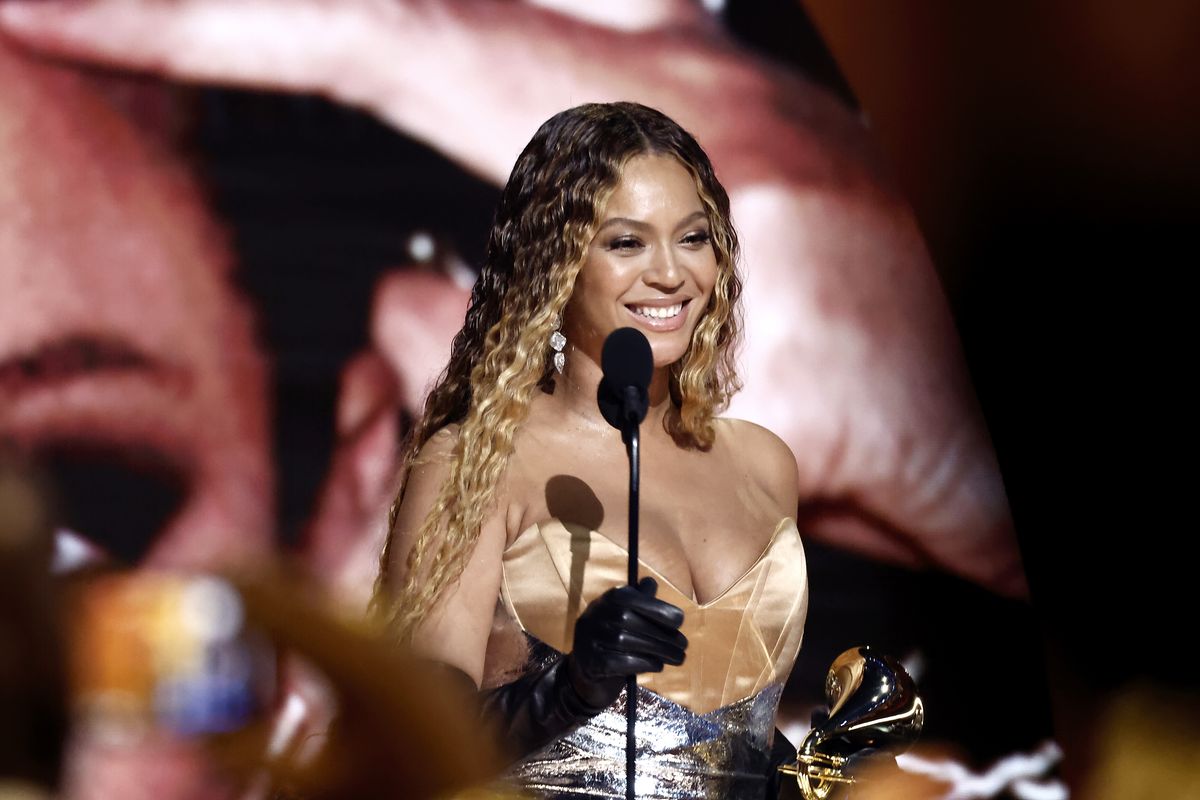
[[624, 391], [624, 399]]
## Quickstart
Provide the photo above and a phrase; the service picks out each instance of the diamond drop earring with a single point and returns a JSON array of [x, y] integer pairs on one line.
[[558, 343]]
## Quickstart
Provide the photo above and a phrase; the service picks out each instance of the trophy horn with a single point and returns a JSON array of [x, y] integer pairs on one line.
[[873, 705]]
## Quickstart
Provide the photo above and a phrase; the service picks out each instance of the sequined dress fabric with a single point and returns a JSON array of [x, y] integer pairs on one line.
[[704, 728]]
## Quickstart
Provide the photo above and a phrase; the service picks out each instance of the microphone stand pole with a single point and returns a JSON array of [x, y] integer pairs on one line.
[[623, 396], [631, 449]]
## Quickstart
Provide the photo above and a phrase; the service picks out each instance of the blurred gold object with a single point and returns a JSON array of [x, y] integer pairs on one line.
[[873, 705], [151, 687], [1145, 744], [404, 728]]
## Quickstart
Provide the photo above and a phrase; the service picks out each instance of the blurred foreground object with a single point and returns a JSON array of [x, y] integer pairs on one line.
[[403, 728], [874, 710], [187, 668], [1147, 746], [165, 652], [174, 688], [33, 716]]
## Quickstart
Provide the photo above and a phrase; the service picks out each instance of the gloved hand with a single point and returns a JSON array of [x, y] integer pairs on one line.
[[623, 632]]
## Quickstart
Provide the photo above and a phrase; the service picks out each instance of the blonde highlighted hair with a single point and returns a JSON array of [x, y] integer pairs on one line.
[[547, 216]]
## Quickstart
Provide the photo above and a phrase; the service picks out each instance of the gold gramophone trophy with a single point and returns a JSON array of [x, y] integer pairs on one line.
[[873, 704]]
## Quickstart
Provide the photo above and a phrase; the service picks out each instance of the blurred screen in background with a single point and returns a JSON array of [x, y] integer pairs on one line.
[[223, 294]]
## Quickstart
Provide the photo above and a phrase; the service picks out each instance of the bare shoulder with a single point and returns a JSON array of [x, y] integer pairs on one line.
[[427, 473], [767, 459], [456, 626], [429, 470], [438, 448]]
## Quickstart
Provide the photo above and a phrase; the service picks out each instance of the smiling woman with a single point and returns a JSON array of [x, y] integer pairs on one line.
[[489, 562]]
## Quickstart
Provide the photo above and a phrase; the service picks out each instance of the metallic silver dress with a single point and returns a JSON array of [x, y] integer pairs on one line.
[[703, 729]]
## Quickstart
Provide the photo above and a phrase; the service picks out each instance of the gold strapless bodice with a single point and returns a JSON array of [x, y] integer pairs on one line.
[[740, 642]]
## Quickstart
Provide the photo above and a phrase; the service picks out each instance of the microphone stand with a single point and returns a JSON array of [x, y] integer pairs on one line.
[[631, 450], [628, 365]]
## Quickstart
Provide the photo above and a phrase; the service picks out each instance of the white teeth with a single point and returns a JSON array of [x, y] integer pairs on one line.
[[658, 313]]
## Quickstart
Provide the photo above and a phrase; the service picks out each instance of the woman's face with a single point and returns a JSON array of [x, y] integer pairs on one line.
[[650, 266]]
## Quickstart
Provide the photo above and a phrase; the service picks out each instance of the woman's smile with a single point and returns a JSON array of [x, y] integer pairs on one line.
[[657, 317]]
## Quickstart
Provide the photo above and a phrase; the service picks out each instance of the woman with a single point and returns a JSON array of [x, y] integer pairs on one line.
[[507, 553]]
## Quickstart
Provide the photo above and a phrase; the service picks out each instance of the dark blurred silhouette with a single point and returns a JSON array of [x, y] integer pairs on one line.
[[33, 708]]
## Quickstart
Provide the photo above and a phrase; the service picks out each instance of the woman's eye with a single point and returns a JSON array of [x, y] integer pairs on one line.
[[624, 243], [696, 238]]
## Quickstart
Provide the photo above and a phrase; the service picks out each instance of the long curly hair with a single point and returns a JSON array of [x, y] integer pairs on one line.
[[547, 215]]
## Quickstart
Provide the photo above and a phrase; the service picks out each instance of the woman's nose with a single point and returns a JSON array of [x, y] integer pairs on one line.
[[664, 271]]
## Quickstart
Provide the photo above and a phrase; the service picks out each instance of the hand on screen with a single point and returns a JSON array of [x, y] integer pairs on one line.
[[851, 354]]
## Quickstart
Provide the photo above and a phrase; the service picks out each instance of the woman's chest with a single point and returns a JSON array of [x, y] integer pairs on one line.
[[701, 523], [740, 639]]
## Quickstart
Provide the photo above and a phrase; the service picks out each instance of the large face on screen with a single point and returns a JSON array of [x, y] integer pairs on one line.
[[127, 366], [651, 264]]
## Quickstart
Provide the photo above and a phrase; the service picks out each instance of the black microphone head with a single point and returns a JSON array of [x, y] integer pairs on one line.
[[627, 359], [624, 391]]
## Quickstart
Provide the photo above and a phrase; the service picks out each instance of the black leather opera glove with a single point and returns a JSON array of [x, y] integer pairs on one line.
[[625, 631]]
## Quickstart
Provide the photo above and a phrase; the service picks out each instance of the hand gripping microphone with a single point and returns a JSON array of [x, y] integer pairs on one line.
[[624, 399]]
